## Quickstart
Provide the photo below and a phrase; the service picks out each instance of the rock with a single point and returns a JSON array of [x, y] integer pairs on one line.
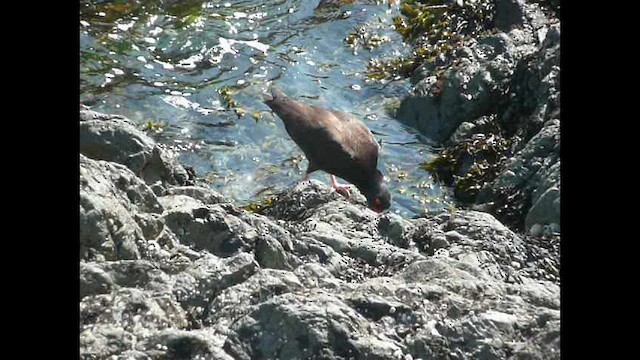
[[464, 130], [209, 227], [130, 309], [376, 307], [546, 209], [107, 228], [104, 341], [301, 202], [470, 88], [505, 82], [116, 139], [206, 278], [393, 227], [533, 172], [180, 344], [108, 179], [179, 272], [163, 168], [478, 237], [140, 274], [271, 254], [535, 86], [293, 326], [509, 13], [205, 195], [86, 114], [133, 355], [94, 280], [236, 301]]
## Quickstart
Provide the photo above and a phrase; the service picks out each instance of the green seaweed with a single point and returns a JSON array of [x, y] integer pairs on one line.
[[364, 36], [435, 28], [468, 165], [259, 206], [226, 93], [153, 126]]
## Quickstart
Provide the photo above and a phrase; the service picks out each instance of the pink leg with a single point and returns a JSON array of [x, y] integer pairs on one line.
[[305, 177], [342, 189]]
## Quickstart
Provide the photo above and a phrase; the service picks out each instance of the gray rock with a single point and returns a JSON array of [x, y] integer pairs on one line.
[[392, 226], [210, 275], [131, 309], [463, 131], [271, 254], [111, 180], [478, 237], [185, 274], [86, 114], [546, 209], [141, 274], [301, 202], [163, 168], [296, 326], [116, 139], [104, 341], [208, 227], [506, 82], [535, 87], [205, 195], [195, 287], [133, 355], [531, 173], [151, 224], [509, 13], [107, 227], [236, 301], [181, 344], [94, 280], [477, 80]]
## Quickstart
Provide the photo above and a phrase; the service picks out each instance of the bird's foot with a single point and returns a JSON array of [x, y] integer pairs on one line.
[[342, 189]]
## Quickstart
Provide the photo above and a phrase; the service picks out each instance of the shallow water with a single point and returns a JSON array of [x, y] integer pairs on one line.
[[172, 65]]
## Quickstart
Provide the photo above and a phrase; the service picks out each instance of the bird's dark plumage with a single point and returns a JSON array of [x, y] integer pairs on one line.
[[335, 143]]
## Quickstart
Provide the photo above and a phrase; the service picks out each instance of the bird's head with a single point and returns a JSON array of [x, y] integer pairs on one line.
[[378, 196]]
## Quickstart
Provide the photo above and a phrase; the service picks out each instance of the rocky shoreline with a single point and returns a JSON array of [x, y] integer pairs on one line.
[[493, 102], [170, 269]]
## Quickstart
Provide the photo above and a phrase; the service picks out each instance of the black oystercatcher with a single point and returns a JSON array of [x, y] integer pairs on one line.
[[335, 143]]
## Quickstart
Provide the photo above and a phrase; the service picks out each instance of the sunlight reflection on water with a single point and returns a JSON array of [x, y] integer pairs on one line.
[[181, 65]]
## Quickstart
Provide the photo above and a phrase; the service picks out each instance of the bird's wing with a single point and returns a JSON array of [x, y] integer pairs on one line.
[[356, 139], [332, 140]]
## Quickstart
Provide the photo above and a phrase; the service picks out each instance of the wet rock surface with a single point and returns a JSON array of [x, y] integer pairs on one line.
[[186, 274]]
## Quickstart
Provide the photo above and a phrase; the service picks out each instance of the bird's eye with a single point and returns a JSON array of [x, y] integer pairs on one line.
[[377, 201]]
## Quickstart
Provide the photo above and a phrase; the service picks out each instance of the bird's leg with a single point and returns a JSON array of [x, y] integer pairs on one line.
[[311, 167], [342, 189]]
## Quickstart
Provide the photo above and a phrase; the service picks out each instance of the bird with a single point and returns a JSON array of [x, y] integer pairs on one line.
[[336, 143]]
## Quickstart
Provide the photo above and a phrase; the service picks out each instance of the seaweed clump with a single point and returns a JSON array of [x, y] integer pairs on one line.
[[435, 28], [258, 206], [226, 93], [366, 37], [471, 163]]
